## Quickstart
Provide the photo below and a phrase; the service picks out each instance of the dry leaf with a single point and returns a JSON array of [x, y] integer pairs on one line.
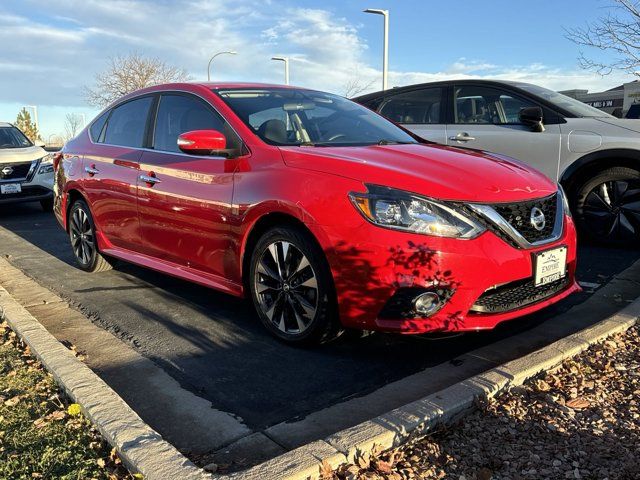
[[579, 403]]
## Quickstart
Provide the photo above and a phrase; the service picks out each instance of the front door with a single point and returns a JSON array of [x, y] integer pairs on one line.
[[487, 118], [184, 201]]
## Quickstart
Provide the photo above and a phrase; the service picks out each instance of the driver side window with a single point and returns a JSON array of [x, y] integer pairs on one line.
[[487, 105]]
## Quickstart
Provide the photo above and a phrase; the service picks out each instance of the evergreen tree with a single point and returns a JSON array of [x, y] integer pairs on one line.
[[24, 123]]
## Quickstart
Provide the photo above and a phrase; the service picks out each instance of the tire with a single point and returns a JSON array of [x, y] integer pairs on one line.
[[83, 240], [295, 298], [47, 204], [607, 207]]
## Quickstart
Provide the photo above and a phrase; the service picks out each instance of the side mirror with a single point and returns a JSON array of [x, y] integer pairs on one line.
[[203, 142], [532, 116], [39, 143]]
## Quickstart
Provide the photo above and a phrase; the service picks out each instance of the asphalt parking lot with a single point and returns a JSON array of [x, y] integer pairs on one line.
[[214, 346]]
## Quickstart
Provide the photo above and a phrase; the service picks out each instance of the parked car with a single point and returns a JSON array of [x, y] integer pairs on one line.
[[326, 214], [26, 169], [595, 156]]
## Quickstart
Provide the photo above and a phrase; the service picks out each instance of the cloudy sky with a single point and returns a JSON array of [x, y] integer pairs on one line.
[[51, 49]]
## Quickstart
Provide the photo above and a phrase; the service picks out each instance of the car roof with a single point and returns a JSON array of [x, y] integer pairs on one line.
[[5, 124], [416, 86]]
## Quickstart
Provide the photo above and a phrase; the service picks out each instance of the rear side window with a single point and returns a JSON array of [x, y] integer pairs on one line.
[[96, 127], [127, 123], [418, 106], [178, 114]]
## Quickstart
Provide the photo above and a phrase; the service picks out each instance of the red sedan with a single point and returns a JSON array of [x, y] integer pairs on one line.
[[327, 215]]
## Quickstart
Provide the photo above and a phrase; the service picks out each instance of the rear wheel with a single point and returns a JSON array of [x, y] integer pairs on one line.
[[291, 287], [82, 233], [607, 207]]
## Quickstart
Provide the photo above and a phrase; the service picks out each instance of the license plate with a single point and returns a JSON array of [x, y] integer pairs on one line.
[[10, 188], [550, 266]]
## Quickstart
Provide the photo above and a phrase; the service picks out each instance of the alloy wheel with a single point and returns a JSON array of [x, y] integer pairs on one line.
[[612, 210], [286, 287], [82, 237]]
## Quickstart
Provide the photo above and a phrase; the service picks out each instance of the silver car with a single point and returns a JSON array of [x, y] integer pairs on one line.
[[26, 169], [595, 156]]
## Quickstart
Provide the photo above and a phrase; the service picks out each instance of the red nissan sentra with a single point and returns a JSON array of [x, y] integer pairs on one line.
[[327, 215]]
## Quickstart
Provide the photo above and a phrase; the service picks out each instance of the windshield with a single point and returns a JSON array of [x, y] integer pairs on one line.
[[11, 137], [282, 116], [576, 107]]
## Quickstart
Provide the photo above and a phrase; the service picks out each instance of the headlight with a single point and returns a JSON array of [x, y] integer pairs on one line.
[[402, 210], [46, 164], [565, 200]]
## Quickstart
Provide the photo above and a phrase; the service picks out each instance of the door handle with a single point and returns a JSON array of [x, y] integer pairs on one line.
[[92, 170], [150, 179], [462, 137]]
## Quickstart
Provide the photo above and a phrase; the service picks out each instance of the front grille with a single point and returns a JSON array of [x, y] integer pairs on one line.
[[516, 295], [518, 215], [15, 171]]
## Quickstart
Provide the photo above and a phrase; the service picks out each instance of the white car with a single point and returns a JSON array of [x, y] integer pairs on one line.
[[26, 169], [593, 155]]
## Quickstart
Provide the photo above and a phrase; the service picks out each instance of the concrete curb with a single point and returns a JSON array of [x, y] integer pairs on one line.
[[140, 447], [397, 426]]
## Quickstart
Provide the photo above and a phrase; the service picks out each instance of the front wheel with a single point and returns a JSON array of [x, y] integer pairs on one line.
[[292, 288], [607, 207], [82, 233]]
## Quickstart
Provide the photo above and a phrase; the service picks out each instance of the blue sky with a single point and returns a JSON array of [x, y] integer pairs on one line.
[[53, 48]]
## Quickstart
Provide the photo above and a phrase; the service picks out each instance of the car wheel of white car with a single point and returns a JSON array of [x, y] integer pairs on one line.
[[607, 207]]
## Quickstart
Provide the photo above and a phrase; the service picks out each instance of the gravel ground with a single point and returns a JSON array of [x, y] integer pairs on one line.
[[579, 421]]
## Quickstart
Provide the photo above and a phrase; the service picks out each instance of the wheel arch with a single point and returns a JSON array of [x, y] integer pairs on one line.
[[597, 161], [72, 195], [266, 222]]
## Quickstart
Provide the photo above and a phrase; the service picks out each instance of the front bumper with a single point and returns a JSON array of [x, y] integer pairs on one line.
[[375, 264]]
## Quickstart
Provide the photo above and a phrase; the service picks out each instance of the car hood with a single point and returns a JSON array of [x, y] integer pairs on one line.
[[436, 171], [27, 154], [626, 123]]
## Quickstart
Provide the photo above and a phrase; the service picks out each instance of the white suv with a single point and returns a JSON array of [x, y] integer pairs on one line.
[[26, 170], [595, 156]]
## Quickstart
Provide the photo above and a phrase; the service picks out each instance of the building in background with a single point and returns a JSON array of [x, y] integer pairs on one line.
[[617, 101]]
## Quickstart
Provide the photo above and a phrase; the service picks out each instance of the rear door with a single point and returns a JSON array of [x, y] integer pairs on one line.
[[421, 111], [111, 169], [184, 210], [487, 118]]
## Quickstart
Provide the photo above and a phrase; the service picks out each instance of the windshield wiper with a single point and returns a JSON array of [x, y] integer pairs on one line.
[[393, 142]]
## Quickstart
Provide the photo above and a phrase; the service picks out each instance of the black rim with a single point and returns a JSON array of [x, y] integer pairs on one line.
[[612, 210], [82, 238], [286, 287]]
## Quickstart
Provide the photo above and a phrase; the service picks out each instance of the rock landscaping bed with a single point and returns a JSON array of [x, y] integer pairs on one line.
[[578, 421], [42, 435]]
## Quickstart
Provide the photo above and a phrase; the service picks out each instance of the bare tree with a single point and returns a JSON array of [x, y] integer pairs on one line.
[[125, 74], [72, 125], [617, 32], [356, 85]]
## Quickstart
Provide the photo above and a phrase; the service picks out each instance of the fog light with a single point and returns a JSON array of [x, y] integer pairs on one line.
[[426, 304]]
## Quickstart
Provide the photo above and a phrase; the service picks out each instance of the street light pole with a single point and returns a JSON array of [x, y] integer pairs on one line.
[[385, 51], [35, 116], [230, 52], [286, 67]]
